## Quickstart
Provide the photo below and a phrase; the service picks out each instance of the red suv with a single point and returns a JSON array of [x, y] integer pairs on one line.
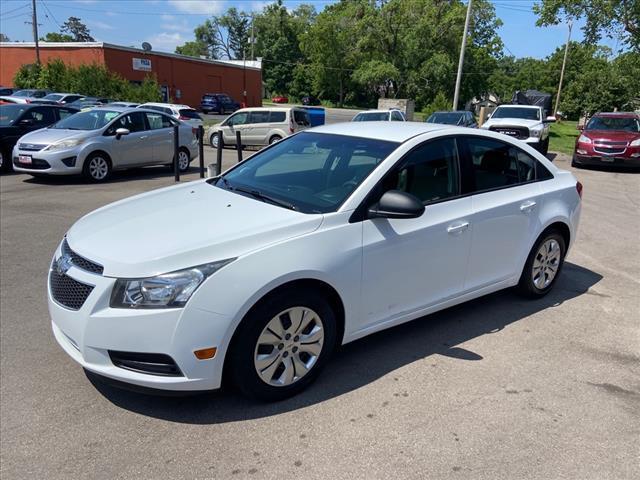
[[609, 139]]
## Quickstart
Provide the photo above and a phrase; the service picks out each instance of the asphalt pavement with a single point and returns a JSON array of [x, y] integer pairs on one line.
[[498, 388]]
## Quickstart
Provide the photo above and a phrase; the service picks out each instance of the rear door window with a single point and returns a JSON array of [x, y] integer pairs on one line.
[[277, 117], [493, 166], [301, 117], [134, 122], [158, 121], [260, 116]]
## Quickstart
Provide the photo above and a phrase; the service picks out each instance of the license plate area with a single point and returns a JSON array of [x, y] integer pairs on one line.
[[25, 160]]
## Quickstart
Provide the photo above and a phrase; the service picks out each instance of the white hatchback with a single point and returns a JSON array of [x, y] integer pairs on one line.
[[320, 239]]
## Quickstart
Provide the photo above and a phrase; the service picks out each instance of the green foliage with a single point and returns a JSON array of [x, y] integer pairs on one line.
[[78, 30], [90, 80], [57, 37], [439, 103], [196, 48], [610, 18]]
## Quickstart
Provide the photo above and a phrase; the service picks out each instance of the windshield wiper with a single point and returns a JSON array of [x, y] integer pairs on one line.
[[263, 197]]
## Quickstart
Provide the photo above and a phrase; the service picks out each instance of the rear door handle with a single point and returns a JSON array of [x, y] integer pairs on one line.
[[457, 228], [527, 206]]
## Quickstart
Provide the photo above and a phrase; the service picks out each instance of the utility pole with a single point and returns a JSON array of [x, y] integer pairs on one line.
[[34, 22], [456, 93], [253, 39], [564, 63]]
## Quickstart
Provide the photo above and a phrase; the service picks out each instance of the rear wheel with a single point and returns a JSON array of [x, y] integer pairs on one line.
[[5, 160], [274, 139], [543, 265], [282, 345], [213, 140], [97, 167], [183, 159]]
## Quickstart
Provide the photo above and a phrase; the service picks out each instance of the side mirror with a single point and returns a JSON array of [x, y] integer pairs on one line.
[[120, 132], [26, 122], [396, 204], [549, 120]]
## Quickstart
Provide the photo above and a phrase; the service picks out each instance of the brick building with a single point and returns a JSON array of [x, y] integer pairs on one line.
[[184, 79]]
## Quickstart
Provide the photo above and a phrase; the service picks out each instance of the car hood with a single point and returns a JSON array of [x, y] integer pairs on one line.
[[510, 122], [51, 135], [180, 227], [611, 135]]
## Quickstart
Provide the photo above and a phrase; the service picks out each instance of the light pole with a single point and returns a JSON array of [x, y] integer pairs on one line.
[[456, 93]]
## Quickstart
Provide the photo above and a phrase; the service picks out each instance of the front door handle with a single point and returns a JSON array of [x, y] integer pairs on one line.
[[527, 206], [457, 228]]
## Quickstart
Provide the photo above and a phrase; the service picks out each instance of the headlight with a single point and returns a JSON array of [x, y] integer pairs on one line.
[[536, 132], [64, 144], [169, 290], [584, 139], [635, 143]]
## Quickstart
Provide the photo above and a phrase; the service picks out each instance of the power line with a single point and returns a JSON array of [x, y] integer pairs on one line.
[[50, 13], [26, 5]]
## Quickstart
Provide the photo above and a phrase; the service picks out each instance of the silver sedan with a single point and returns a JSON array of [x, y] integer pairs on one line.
[[96, 142]]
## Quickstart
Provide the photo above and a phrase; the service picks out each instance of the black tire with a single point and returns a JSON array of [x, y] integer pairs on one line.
[[526, 285], [274, 139], [575, 164], [7, 161], [211, 142], [545, 146], [89, 172], [183, 151], [242, 370]]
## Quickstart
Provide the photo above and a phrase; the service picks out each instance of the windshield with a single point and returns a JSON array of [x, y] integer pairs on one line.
[[372, 117], [91, 120], [311, 172], [517, 112], [627, 124], [188, 113], [56, 97], [10, 113], [447, 118]]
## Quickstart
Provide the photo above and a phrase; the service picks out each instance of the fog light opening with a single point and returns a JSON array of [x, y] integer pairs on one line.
[[205, 353]]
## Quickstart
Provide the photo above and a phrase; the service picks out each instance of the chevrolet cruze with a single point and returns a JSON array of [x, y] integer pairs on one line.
[[330, 235]]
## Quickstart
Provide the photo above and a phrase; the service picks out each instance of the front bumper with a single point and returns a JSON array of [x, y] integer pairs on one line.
[[612, 160], [63, 162], [89, 334]]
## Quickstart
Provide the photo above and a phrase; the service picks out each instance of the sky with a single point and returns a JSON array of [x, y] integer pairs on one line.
[[168, 23]]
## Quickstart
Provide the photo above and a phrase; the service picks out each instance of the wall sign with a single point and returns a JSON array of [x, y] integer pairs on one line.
[[143, 64]]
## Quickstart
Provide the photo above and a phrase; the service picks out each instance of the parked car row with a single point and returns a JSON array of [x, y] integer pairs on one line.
[[45, 139]]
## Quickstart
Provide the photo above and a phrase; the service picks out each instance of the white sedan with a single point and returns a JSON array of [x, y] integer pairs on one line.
[[323, 238]]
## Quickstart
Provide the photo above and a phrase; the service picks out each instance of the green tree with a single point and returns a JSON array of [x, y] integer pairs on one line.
[[611, 18], [78, 30], [57, 37], [237, 26], [194, 48]]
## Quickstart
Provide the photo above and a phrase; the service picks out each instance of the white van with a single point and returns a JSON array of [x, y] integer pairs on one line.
[[260, 126]]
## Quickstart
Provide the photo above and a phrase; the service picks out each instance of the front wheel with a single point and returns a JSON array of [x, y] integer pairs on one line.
[[5, 160], [282, 345], [543, 265], [97, 167], [213, 141]]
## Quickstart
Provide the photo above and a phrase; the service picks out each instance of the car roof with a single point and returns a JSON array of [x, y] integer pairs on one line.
[[519, 106], [617, 114], [392, 131], [268, 109], [377, 111], [173, 105]]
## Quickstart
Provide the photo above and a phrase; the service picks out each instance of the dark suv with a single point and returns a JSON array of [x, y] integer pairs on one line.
[[18, 119], [218, 103]]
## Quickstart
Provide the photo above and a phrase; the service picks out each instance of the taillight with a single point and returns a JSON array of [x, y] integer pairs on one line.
[[183, 118], [291, 125], [579, 189]]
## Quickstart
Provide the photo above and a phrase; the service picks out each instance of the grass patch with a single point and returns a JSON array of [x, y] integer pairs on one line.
[[562, 137]]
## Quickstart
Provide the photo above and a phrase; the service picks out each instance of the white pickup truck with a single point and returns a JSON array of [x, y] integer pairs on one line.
[[524, 122]]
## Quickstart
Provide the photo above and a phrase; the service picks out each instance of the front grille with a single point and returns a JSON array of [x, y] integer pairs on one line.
[[149, 363], [36, 164], [516, 132], [608, 150], [615, 143], [31, 147], [81, 262], [67, 291]]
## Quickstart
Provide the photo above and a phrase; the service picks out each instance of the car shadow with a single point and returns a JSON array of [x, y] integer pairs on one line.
[[633, 170], [140, 173], [364, 361]]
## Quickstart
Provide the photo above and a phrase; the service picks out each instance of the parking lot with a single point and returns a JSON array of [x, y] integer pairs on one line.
[[501, 387]]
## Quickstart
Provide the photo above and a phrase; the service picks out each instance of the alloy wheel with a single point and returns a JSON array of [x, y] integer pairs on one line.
[[183, 160], [546, 264], [289, 346], [98, 168]]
